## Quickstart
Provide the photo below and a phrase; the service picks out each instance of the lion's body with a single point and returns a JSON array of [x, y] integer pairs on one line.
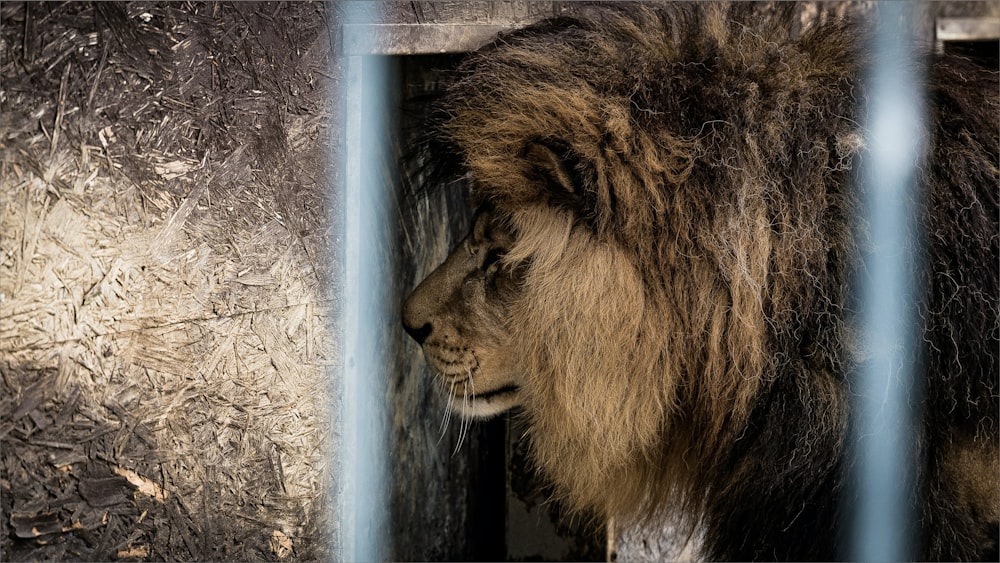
[[681, 187]]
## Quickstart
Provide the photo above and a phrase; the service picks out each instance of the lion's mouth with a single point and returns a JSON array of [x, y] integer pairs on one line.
[[499, 392], [484, 404], [472, 393]]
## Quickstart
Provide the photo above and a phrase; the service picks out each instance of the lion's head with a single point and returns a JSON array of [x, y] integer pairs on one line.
[[659, 271], [460, 315], [638, 256]]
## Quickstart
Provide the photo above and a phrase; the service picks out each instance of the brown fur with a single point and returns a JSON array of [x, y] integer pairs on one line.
[[688, 293], [680, 185]]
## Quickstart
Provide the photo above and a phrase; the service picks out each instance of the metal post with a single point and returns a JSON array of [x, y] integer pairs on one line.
[[363, 510], [887, 387]]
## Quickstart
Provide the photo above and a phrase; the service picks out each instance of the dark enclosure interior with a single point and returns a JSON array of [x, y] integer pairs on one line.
[[471, 497]]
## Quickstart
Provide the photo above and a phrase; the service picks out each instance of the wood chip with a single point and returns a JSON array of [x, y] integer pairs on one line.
[[280, 544], [35, 525], [103, 492], [142, 484]]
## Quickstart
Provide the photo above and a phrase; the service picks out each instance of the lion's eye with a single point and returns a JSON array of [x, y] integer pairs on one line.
[[492, 261]]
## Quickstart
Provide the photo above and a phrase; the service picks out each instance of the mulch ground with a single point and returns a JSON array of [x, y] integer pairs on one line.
[[165, 280]]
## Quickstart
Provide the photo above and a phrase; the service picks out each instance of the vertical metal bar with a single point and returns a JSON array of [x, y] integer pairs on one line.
[[363, 512], [888, 389]]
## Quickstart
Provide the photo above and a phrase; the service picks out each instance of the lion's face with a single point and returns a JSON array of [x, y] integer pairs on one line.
[[459, 316]]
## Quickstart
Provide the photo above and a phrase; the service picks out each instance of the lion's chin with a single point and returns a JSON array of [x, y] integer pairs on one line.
[[488, 404]]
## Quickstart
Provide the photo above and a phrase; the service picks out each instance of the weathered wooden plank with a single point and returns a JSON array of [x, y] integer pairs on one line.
[[413, 28], [416, 39], [968, 29], [460, 12]]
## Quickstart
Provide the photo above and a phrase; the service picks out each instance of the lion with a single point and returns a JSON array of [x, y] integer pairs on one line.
[[659, 274]]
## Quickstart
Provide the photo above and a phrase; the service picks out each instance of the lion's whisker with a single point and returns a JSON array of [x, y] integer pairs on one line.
[[470, 394], [463, 423], [446, 419]]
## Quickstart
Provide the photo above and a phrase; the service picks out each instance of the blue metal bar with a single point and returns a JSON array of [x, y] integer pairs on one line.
[[362, 453], [887, 387]]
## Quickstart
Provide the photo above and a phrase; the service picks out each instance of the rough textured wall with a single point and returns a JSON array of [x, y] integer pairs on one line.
[[164, 288]]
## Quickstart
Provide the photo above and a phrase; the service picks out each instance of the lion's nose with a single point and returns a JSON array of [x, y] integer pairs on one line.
[[414, 323], [419, 333]]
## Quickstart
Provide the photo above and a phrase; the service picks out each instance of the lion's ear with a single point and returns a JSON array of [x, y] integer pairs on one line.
[[555, 165]]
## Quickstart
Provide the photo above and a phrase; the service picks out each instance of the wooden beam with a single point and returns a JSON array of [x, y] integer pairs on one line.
[[417, 39]]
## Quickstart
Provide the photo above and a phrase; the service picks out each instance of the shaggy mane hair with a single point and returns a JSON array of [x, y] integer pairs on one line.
[[683, 186]]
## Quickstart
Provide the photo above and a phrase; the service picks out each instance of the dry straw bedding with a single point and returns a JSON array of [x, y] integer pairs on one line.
[[164, 281]]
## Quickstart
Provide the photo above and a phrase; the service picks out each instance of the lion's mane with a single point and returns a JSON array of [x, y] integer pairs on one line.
[[683, 185]]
